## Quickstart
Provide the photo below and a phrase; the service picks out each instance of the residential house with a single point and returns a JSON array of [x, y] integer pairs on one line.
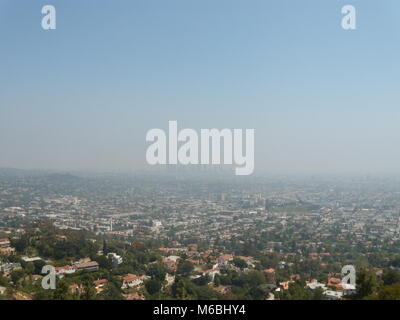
[[76, 289], [4, 243], [131, 281], [87, 266], [211, 273], [333, 295], [65, 270], [100, 284], [8, 268], [116, 260]]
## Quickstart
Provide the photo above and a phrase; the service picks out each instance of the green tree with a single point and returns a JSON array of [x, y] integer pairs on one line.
[[90, 291], [152, 286], [390, 292], [367, 283], [157, 271], [62, 291], [111, 292], [103, 262], [240, 263], [297, 291], [30, 268], [184, 268], [318, 294], [38, 266], [183, 289], [217, 280], [17, 275], [390, 277]]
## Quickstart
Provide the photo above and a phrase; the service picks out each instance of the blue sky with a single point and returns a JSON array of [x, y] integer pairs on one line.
[[321, 99]]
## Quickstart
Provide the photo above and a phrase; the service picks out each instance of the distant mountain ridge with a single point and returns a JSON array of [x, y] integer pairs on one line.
[[14, 172]]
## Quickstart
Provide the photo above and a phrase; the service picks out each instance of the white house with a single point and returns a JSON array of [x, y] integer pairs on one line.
[[131, 281], [333, 295]]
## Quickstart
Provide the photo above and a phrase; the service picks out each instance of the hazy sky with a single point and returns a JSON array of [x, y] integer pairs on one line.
[[83, 96]]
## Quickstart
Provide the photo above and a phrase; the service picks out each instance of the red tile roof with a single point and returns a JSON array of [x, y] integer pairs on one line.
[[270, 270], [130, 277], [100, 281]]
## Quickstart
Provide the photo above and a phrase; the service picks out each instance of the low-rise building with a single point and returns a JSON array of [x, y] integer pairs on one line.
[[3, 290], [8, 268], [7, 251], [87, 266], [116, 260], [131, 281], [333, 295], [33, 259], [65, 270], [4, 242], [314, 284], [100, 284]]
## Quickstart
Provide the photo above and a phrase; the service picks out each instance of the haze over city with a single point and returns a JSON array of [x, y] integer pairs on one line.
[[83, 96]]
